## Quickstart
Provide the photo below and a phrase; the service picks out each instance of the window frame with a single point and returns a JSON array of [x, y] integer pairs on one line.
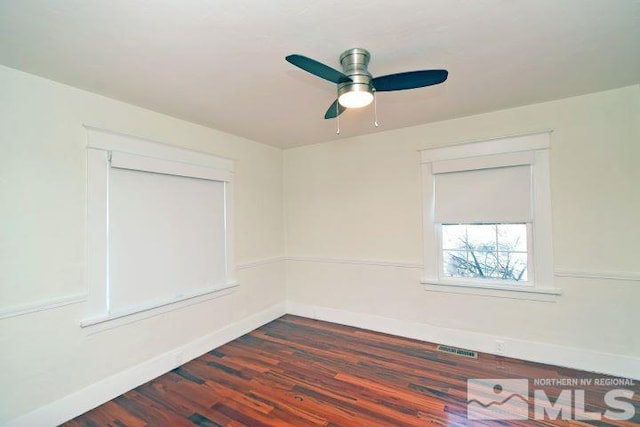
[[107, 150], [532, 150]]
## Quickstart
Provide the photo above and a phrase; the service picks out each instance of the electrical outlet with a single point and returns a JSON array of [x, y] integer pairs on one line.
[[500, 345]]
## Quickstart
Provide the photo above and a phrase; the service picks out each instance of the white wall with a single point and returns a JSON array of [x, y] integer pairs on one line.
[[45, 355], [355, 203]]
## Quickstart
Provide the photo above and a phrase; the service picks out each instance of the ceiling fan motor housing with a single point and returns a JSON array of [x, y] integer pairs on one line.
[[354, 64]]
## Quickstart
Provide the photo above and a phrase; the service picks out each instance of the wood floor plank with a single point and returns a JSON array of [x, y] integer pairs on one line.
[[300, 372]]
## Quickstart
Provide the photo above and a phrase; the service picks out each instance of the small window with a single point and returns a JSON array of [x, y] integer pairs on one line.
[[487, 218], [485, 251]]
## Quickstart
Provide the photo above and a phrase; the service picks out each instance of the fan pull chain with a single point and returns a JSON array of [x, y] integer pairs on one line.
[[375, 109], [337, 119]]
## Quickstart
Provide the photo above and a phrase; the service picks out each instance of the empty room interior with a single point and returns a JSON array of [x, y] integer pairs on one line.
[[296, 213]]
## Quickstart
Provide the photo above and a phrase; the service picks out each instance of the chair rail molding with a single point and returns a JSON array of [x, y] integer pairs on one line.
[[576, 273], [43, 305], [259, 262], [599, 275], [357, 261]]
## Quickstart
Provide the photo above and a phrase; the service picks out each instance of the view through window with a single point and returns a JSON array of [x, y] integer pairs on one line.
[[485, 251]]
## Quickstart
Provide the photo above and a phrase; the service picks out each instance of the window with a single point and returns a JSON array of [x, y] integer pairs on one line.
[[160, 226], [485, 251], [487, 218]]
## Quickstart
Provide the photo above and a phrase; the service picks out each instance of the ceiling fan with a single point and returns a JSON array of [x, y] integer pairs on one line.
[[356, 85]]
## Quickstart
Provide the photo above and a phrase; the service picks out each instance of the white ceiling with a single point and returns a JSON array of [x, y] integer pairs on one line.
[[221, 63]]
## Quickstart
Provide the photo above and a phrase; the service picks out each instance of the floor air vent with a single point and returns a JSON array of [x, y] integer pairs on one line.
[[458, 351]]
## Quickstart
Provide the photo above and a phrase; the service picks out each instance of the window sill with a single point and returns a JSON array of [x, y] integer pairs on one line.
[[112, 320], [494, 290]]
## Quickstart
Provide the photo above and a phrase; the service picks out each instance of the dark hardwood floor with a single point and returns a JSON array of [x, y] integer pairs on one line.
[[301, 372]]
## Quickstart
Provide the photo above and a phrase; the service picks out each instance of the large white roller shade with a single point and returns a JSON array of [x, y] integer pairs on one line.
[[166, 238]]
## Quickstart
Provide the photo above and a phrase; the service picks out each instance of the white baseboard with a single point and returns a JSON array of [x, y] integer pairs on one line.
[[88, 398], [570, 357]]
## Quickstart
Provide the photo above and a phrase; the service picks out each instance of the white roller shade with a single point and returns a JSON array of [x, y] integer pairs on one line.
[[500, 194], [166, 238]]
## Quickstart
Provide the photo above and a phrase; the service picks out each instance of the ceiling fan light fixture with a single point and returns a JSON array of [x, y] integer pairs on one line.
[[355, 99]]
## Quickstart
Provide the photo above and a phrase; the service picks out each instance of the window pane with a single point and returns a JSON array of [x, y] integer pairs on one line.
[[476, 264], [454, 236], [482, 237], [485, 251], [486, 264], [513, 266], [455, 264], [512, 237]]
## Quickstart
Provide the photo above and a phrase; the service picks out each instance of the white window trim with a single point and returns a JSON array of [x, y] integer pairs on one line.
[[532, 149], [106, 149]]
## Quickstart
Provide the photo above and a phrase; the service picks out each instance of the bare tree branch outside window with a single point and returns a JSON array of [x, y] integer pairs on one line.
[[485, 251]]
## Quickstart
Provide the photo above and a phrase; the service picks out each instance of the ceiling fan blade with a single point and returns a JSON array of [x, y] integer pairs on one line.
[[409, 80], [334, 110], [317, 68]]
